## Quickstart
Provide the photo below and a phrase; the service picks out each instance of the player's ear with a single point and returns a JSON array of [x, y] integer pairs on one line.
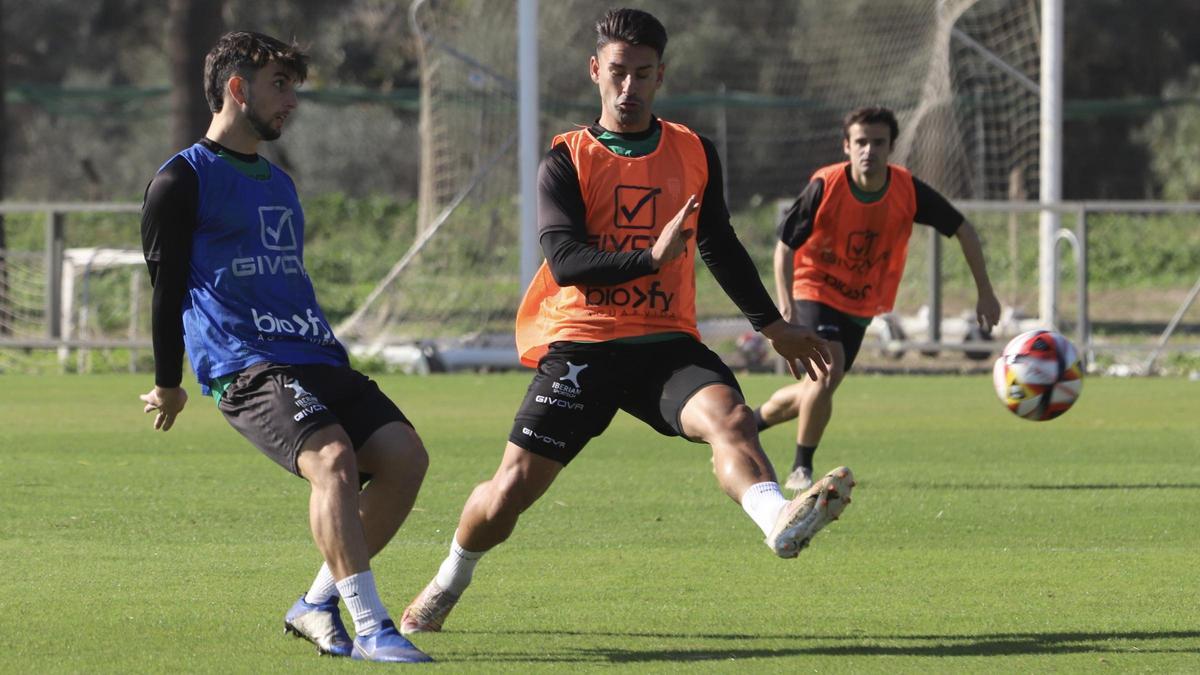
[[661, 69], [594, 69], [235, 89]]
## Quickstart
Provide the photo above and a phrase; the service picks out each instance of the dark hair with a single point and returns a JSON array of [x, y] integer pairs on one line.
[[872, 114], [243, 52], [632, 26]]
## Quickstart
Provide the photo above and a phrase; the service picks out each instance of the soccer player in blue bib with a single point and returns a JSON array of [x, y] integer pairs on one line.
[[223, 235]]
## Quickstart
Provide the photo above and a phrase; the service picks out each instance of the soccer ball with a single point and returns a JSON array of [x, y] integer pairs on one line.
[[1038, 376]]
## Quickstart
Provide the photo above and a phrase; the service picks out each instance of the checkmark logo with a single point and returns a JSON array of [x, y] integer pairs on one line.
[[637, 206], [278, 231], [860, 244]]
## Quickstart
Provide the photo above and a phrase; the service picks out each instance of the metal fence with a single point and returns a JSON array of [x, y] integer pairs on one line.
[[1126, 281]]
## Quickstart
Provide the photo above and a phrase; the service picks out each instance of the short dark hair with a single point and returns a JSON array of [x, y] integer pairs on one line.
[[872, 114], [243, 52], [632, 26]]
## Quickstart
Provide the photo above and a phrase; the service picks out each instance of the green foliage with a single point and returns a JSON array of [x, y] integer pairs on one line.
[[1172, 136], [351, 243], [977, 542]]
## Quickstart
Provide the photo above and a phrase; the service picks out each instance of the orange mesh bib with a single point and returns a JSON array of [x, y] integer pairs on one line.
[[628, 200], [854, 259]]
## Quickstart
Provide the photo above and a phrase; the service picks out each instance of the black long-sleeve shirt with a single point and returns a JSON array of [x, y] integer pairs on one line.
[[169, 218], [573, 261]]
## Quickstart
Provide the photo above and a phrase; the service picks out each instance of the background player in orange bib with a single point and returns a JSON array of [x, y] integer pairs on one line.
[[609, 321], [840, 256]]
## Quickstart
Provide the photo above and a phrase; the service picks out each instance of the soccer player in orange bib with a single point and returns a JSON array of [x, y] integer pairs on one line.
[[841, 252], [609, 321]]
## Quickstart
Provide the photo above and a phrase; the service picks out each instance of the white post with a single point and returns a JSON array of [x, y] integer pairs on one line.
[[529, 139], [1050, 157]]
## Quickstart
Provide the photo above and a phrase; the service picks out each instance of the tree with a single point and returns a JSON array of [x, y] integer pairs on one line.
[[5, 313], [192, 28], [1172, 136]]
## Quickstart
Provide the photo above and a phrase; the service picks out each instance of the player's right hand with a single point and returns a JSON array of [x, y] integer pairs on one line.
[[167, 402], [672, 241], [800, 347]]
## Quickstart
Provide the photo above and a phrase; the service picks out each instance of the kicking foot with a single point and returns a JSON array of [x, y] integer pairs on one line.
[[800, 479], [810, 511], [319, 624], [427, 612], [387, 644]]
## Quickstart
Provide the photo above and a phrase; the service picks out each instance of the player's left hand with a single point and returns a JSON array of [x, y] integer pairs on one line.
[[987, 311], [167, 402], [800, 347]]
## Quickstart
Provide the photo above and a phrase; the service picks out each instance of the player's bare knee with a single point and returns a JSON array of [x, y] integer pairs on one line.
[[735, 423], [331, 464], [415, 459]]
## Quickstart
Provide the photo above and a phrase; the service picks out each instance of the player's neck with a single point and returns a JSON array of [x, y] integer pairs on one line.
[[234, 134], [868, 182], [615, 126]]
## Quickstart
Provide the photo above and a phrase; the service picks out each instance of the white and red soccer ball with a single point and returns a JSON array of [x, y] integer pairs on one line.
[[1038, 376]]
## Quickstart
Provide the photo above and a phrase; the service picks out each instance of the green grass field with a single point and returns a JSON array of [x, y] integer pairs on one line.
[[977, 542]]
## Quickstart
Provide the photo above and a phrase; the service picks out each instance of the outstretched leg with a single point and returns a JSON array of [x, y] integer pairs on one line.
[[487, 520], [717, 415]]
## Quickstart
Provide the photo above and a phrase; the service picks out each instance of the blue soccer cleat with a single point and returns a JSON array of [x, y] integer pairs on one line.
[[387, 644], [319, 624]]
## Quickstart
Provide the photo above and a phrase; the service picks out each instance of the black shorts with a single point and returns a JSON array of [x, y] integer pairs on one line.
[[579, 387], [833, 325], [277, 407]]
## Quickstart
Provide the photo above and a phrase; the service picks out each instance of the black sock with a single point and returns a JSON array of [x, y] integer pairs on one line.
[[805, 454], [758, 419]]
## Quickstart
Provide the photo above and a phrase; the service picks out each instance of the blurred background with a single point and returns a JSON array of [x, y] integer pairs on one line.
[[404, 152]]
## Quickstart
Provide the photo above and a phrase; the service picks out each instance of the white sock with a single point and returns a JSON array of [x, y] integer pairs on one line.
[[323, 588], [763, 502], [457, 569], [358, 590]]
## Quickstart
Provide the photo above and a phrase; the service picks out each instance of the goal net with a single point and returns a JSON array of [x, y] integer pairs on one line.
[[767, 80]]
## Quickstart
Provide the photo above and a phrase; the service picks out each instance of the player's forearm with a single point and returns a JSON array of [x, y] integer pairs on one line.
[[167, 328], [784, 271], [972, 250], [577, 263]]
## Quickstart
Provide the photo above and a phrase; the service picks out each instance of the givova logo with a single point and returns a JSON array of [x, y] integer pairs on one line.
[[309, 326], [543, 438]]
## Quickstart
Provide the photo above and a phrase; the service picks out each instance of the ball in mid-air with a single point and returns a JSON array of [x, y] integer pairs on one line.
[[1038, 376]]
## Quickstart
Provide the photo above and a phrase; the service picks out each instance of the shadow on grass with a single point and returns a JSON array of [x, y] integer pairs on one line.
[[999, 644]]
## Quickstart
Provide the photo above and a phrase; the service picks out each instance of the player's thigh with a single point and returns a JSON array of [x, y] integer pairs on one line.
[[523, 477], [270, 405], [380, 433], [843, 332], [394, 449], [661, 379], [571, 399]]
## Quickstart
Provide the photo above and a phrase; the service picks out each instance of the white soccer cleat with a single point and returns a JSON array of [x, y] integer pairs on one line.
[[810, 511], [800, 479], [427, 612]]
